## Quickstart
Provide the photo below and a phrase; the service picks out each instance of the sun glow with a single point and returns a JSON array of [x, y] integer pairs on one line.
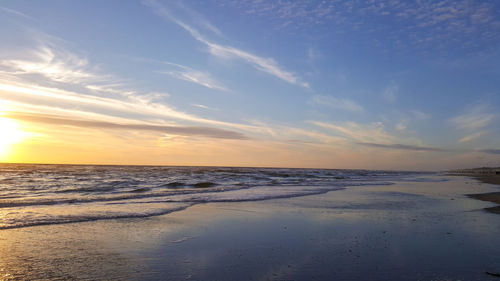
[[10, 134]]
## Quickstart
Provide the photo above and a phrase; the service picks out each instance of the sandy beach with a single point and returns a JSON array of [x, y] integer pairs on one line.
[[491, 196], [492, 179], [414, 230], [488, 176]]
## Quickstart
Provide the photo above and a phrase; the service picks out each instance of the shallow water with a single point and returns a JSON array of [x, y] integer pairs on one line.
[[52, 194], [410, 230]]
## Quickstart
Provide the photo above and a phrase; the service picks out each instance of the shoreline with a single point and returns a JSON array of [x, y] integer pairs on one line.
[[494, 197], [489, 197], [483, 175], [409, 230]]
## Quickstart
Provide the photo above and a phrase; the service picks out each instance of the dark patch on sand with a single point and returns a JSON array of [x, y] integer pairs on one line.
[[491, 179], [484, 175], [490, 197]]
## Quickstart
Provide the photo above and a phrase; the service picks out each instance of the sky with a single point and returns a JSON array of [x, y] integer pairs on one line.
[[348, 84]]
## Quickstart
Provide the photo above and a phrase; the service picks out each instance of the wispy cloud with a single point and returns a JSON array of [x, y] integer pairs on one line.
[[53, 63], [313, 54], [474, 117], [174, 130], [401, 126], [65, 80], [204, 106], [267, 65], [390, 93], [46, 63], [134, 106], [436, 24], [15, 12], [401, 147], [199, 19], [300, 135], [420, 115], [188, 74], [472, 137], [373, 132], [337, 103], [196, 77]]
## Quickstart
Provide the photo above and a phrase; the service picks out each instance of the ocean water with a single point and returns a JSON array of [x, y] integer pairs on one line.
[[53, 194]]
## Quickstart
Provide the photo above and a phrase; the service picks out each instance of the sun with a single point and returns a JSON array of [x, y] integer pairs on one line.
[[10, 133]]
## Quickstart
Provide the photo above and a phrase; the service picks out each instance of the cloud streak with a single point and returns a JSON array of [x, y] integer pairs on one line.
[[267, 65], [167, 129], [92, 91], [476, 117], [472, 137], [401, 147], [419, 114], [108, 107], [390, 93], [188, 74], [397, 146], [17, 13], [204, 106], [373, 132], [337, 103], [52, 63]]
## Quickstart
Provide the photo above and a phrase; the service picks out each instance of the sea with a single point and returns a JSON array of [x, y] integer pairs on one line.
[[33, 194]]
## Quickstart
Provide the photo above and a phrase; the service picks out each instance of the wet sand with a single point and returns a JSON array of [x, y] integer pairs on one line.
[[415, 230], [491, 179], [484, 175], [491, 196]]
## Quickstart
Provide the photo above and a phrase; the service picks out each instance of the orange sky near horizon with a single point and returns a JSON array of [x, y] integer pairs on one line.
[[26, 142]]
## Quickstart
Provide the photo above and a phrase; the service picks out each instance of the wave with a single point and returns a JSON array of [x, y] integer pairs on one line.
[[51, 194], [44, 219]]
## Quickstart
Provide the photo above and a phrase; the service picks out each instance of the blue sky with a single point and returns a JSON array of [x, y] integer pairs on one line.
[[337, 84]]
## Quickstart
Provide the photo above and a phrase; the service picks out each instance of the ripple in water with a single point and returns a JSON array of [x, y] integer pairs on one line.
[[51, 194]]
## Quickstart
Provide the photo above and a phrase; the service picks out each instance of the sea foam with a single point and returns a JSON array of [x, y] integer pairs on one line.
[[52, 194]]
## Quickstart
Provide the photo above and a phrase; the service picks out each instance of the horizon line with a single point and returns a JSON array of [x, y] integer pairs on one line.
[[228, 166]]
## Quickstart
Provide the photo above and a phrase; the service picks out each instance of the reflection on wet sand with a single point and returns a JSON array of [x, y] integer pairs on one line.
[[406, 231]]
